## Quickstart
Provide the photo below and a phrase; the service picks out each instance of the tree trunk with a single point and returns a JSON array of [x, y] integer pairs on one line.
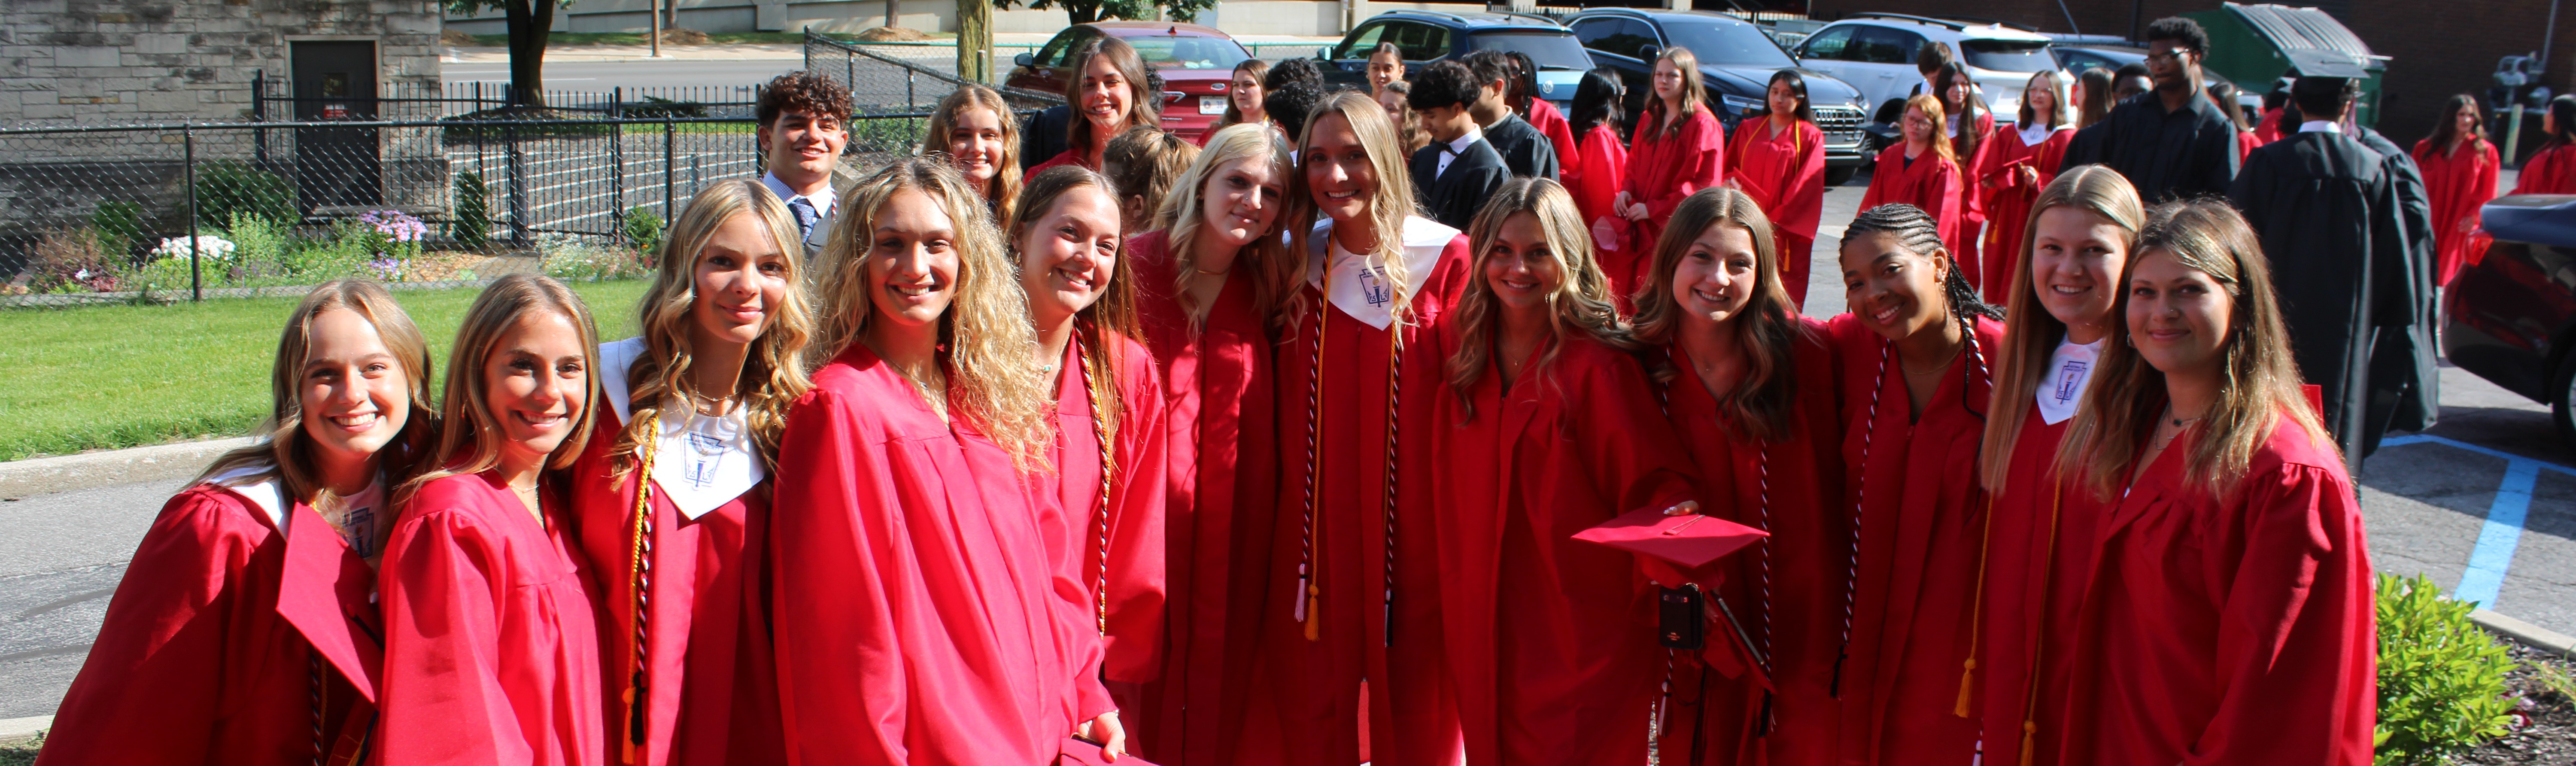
[[975, 40], [531, 21], [1083, 13], [891, 10]]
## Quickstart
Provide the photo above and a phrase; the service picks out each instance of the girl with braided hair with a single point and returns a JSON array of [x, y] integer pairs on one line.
[[1916, 357], [1547, 427], [1749, 385]]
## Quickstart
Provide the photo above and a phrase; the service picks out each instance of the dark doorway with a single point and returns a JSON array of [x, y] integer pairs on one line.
[[336, 81]]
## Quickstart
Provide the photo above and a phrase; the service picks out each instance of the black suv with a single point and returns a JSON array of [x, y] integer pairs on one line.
[[1736, 61], [1428, 36]]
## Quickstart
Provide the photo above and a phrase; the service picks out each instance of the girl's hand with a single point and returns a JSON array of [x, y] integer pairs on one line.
[[1106, 731]]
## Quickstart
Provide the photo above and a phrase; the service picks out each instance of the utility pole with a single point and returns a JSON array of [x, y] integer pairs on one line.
[[657, 28]]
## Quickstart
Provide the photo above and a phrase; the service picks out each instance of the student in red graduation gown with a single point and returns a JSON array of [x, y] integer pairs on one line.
[[1780, 163], [2552, 169], [975, 130], [1109, 95], [1971, 128], [2228, 615], [1209, 317], [919, 618], [2018, 164], [1923, 172], [1102, 507], [692, 411], [1359, 376], [1679, 149], [1547, 427], [265, 564], [2460, 175], [2037, 537], [1749, 385], [1915, 387], [491, 645], [1600, 170]]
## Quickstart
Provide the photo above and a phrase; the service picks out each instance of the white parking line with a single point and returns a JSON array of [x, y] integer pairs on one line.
[[2502, 531]]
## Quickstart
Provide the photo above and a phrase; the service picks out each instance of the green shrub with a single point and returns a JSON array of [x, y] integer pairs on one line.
[[228, 189], [259, 246], [473, 228], [643, 231], [119, 226], [2441, 677], [168, 275], [349, 249], [886, 134], [657, 106], [572, 258]]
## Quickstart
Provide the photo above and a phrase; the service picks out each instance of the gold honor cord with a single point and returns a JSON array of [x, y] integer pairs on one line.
[[1310, 591], [1108, 468], [640, 578]]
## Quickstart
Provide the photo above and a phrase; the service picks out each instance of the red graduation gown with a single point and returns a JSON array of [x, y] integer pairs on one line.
[[711, 682], [217, 638], [2008, 202], [1305, 695], [2459, 182], [1551, 640], [2038, 548], [1551, 123], [918, 617], [1595, 179], [1067, 157], [2268, 129], [1220, 494], [1921, 516], [2551, 171], [1807, 558], [1784, 173], [2229, 630], [1974, 164], [1930, 183], [1072, 514], [1663, 170], [491, 644]]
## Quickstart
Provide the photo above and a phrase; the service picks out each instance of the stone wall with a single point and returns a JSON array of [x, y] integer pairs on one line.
[[126, 61]]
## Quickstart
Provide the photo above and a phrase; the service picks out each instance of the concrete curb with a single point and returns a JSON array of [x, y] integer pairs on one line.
[[45, 475], [13, 729], [2531, 635]]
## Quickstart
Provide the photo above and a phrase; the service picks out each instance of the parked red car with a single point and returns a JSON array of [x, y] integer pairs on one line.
[[1197, 64]]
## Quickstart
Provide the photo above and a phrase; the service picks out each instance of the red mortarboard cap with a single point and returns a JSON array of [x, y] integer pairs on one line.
[[1077, 751], [1689, 541]]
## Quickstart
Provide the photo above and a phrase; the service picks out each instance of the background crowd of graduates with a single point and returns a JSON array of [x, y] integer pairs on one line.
[[1068, 440]]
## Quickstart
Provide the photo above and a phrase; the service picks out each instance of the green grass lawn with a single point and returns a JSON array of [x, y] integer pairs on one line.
[[105, 377]]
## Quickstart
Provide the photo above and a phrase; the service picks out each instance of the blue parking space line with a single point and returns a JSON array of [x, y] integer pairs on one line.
[[2483, 579]]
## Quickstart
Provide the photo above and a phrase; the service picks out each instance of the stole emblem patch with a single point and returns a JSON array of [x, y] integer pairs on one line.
[[707, 453], [1374, 289], [360, 524], [2068, 377]]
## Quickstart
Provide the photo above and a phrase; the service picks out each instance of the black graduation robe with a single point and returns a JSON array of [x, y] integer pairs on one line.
[[2188, 152], [2331, 223], [1453, 197], [1525, 150], [2409, 355]]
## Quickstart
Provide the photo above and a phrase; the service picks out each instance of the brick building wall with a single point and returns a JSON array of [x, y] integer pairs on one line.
[[2435, 49], [102, 61]]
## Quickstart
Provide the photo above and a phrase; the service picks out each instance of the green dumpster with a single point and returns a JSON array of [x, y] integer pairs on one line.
[[2252, 44]]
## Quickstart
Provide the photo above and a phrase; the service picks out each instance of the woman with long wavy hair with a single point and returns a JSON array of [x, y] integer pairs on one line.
[[1747, 383], [1547, 427], [2228, 613], [2459, 167], [1210, 316], [2074, 253], [491, 640], [918, 617], [1779, 161], [265, 563], [1353, 573], [1101, 508], [693, 409], [974, 129], [1916, 381]]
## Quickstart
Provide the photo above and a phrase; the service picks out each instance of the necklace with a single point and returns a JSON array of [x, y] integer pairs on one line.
[[937, 404], [1220, 273]]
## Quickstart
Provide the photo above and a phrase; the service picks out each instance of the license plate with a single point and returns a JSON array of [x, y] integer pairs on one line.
[[1211, 105]]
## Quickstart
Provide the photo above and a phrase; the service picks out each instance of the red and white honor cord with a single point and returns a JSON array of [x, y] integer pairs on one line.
[[1108, 469]]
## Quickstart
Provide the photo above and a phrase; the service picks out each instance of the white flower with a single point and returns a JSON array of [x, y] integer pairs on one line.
[[207, 246]]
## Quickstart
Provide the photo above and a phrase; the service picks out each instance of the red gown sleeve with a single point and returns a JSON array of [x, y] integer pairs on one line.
[[1882, 177], [2297, 641], [1801, 202], [1552, 122], [1605, 172], [1944, 201], [2485, 188], [443, 692], [1631, 448], [841, 671], [151, 690], [1702, 160], [1134, 646]]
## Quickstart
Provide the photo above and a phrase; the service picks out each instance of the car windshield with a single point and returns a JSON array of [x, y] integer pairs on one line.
[[1188, 52], [1550, 49], [2009, 55], [1722, 44]]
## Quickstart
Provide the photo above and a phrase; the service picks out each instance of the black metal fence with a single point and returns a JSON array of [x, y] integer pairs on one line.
[[91, 210]]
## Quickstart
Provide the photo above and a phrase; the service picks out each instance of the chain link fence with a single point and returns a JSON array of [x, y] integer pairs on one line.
[[902, 78]]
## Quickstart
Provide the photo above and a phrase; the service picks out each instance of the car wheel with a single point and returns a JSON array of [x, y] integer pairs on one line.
[[2562, 400], [1839, 176]]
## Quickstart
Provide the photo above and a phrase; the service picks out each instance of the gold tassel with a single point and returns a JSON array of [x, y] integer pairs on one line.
[[1967, 685], [2029, 735], [1314, 622], [626, 744]]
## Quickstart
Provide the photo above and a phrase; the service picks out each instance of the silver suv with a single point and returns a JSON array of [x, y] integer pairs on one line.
[[1875, 53]]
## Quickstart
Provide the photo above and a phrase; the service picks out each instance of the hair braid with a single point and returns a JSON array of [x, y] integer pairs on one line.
[[1915, 230]]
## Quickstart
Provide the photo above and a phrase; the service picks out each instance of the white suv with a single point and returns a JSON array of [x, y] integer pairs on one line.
[[1875, 53]]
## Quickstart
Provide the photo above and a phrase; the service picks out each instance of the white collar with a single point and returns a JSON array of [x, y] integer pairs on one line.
[[1468, 139], [826, 201], [266, 493], [2035, 134], [1358, 289], [2069, 371], [700, 461], [2320, 126]]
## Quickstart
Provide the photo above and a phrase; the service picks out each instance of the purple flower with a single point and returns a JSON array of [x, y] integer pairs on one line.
[[387, 269], [395, 225]]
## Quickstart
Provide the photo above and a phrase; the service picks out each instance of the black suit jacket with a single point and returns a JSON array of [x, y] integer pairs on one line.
[[1454, 197], [1525, 150]]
